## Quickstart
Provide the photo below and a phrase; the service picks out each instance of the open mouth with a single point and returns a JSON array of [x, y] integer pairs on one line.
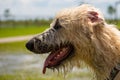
[[56, 57]]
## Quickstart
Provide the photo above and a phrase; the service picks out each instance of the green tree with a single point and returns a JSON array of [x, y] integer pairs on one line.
[[7, 14], [117, 3], [111, 11]]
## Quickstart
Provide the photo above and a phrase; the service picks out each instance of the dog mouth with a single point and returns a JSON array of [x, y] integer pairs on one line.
[[56, 57]]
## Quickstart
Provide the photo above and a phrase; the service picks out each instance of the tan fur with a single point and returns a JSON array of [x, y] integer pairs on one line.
[[117, 76], [97, 44]]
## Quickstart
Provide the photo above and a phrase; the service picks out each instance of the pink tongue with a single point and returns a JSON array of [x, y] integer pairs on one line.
[[46, 63], [44, 70], [50, 59]]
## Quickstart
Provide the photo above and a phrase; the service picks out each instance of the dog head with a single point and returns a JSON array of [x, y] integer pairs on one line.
[[68, 37]]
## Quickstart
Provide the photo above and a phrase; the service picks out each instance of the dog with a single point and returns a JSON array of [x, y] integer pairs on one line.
[[80, 34]]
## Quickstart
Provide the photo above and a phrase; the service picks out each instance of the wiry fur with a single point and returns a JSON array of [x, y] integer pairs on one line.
[[96, 43]]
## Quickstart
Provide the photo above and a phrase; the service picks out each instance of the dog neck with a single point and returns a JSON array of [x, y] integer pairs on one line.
[[106, 51], [102, 55], [113, 74]]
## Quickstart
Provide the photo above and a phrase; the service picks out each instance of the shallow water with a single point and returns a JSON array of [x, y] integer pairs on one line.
[[13, 62]]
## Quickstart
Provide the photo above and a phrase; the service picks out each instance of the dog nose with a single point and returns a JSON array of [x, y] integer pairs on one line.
[[30, 45]]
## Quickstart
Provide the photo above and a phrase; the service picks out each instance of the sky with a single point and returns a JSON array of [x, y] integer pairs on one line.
[[27, 9]]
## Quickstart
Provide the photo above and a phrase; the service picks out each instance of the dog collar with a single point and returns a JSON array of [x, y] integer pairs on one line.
[[114, 72]]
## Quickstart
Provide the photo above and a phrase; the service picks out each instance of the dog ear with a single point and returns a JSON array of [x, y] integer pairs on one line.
[[96, 20], [94, 17]]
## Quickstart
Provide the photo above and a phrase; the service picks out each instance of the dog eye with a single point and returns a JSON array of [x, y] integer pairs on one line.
[[57, 25]]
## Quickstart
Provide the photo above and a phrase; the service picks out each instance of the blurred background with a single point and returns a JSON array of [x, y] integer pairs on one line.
[[20, 20]]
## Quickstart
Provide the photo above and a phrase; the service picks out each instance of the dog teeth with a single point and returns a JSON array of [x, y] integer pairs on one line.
[[49, 62], [58, 55], [55, 58], [64, 49], [61, 52]]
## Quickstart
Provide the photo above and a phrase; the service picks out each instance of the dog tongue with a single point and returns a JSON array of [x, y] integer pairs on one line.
[[55, 58], [44, 69]]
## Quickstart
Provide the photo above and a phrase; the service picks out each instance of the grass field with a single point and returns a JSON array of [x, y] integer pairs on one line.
[[13, 47], [21, 31], [18, 31], [52, 76]]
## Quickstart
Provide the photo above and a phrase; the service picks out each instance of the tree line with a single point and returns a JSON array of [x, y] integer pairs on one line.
[[9, 20]]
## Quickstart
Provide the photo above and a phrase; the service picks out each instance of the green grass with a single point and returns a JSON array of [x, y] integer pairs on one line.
[[13, 47], [28, 75], [118, 25], [115, 23], [21, 31]]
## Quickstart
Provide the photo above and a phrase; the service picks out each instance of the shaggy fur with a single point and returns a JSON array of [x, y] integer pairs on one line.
[[96, 43]]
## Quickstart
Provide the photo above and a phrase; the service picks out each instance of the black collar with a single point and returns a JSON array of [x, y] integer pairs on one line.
[[114, 72]]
